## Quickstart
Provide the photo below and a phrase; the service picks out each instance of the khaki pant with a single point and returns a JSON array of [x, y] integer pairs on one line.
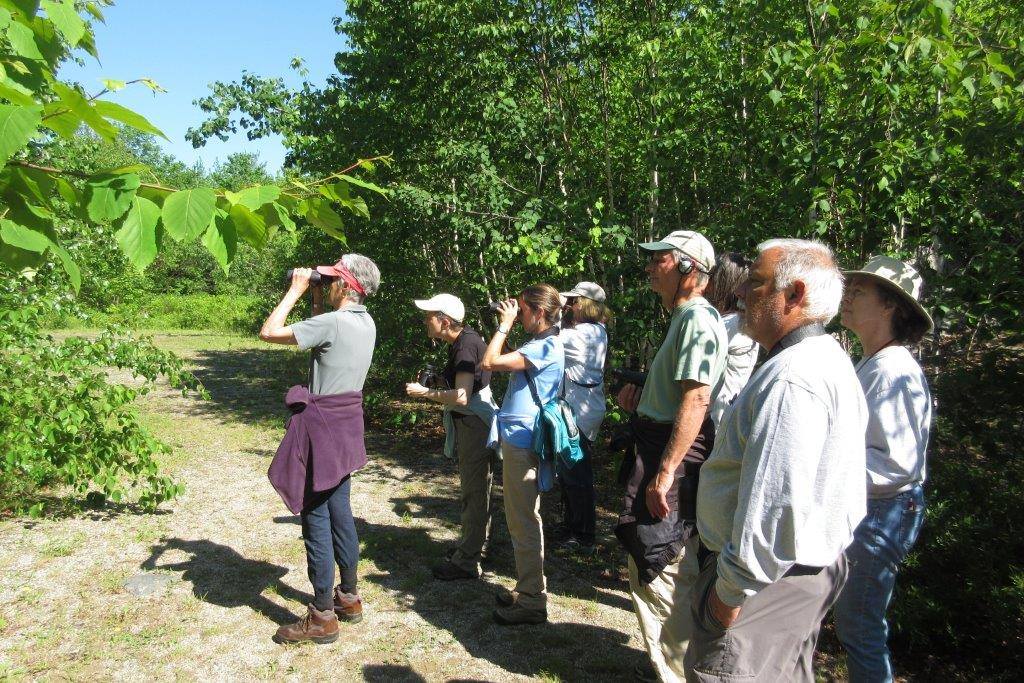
[[522, 512], [657, 606], [476, 472], [774, 637]]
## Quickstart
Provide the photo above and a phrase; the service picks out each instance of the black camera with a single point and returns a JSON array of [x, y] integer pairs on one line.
[[431, 378], [315, 278]]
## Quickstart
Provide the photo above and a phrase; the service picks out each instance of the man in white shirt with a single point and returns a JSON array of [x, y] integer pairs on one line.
[[783, 489]]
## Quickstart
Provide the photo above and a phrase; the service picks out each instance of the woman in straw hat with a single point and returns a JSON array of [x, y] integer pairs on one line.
[[881, 306]]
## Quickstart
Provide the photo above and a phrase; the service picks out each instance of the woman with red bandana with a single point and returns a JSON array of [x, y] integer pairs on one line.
[[323, 444]]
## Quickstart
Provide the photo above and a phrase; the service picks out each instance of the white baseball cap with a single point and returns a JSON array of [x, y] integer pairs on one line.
[[588, 290], [449, 304], [693, 244]]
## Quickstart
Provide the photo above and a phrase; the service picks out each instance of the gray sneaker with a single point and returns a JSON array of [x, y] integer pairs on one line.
[[517, 614]]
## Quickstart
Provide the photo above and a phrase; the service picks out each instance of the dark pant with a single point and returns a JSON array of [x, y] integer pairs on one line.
[[579, 509], [330, 535]]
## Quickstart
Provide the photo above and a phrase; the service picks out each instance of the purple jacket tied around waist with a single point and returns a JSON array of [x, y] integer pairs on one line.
[[322, 445]]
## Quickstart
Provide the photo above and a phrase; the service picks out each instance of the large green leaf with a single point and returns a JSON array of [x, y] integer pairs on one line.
[[250, 226], [187, 213], [23, 237], [26, 8], [110, 110], [276, 215], [255, 197], [74, 102], [23, 41], [137, 235], [108, 195], [221, 240], [61, 120], [18, 123], [19, 260], [63, 15]]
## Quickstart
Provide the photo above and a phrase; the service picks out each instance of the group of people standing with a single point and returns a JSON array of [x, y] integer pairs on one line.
[[755, 500]]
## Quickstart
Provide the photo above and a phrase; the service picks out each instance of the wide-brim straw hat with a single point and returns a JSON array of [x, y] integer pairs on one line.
[[900, 278]]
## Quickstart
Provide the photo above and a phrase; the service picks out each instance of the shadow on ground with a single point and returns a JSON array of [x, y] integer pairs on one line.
[[571, 650], [220, 576]]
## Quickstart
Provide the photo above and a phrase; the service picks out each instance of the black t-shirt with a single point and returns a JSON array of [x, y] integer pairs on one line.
[[465, 355]]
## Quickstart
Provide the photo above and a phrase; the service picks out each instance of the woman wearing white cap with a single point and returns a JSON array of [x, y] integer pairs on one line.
[[468, 411], [586, 343], [881, 307]]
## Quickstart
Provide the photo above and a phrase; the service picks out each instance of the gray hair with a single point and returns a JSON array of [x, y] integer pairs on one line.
[[812, 263], [703, 277], [365, 271]]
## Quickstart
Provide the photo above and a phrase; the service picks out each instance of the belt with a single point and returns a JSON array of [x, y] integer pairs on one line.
[[704, 554]]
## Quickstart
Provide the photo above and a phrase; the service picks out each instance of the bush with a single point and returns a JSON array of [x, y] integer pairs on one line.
[[219, 312], [63, 423]]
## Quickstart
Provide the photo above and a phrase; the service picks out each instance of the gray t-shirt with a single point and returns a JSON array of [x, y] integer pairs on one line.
[[342, 347]]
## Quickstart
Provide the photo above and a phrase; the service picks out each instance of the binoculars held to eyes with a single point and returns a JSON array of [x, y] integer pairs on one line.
[[315, 278]]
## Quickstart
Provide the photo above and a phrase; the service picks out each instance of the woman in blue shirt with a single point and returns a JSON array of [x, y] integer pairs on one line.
[[543, 358]]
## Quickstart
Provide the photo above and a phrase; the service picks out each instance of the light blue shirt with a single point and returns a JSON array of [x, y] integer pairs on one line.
[[546, 358]]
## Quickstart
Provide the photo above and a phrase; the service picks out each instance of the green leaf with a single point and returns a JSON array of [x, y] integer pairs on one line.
[[110, 110], [61, 120], [187, 213], [968, 84], [775, 96], [137, 235], [112, 84], [18, 123], [20, 260], [357, 205], [362, 183], [336, 192], [255, 197], [108, 195], [249, 226], [16, 92], [995, 61], [78, 105], [70, 267], [23, 41], [63, 15], [23, 237], [319, 213], [274, 214], [221, 239]]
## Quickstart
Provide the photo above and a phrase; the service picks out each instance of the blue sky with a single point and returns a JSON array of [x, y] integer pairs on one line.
[[186, 44]]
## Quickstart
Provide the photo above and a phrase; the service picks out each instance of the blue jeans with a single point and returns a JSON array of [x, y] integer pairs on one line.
[[329, 532], [880, 544]]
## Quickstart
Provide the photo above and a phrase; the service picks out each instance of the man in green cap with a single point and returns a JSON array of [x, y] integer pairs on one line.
[[673, 435]]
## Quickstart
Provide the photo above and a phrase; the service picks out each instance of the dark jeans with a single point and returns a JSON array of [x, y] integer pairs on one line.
[[330, 535], [579, 509], [880, 545]]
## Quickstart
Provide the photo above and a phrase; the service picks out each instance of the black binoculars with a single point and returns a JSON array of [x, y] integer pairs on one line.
[[315, 278], [628, 376], [431, 378]]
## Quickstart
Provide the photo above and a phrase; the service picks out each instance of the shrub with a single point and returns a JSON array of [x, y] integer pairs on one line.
[[63, 423]]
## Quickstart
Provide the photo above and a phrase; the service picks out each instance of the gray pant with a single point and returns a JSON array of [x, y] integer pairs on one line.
[[774, 637], [476, 472]]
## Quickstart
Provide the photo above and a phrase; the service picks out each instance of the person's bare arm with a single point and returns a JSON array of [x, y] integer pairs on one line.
[[693, 409], [459, 396], [493, 358], [274, 330]]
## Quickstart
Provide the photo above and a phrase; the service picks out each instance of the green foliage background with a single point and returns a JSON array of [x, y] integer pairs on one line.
[[542, 140]]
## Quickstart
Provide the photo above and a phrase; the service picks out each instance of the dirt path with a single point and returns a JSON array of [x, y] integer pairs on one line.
[[235, 565]]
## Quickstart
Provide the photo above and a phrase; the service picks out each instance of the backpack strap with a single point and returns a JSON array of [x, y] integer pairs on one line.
[[533, 387]]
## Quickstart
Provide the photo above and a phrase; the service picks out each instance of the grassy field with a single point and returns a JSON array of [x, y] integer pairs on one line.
[[235, 563]]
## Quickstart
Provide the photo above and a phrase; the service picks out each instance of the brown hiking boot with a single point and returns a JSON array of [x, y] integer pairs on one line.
[[319, 627], [449, 571], [348, 606]]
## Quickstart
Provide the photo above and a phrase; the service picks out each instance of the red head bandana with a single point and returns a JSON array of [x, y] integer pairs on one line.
[[339, 270]]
